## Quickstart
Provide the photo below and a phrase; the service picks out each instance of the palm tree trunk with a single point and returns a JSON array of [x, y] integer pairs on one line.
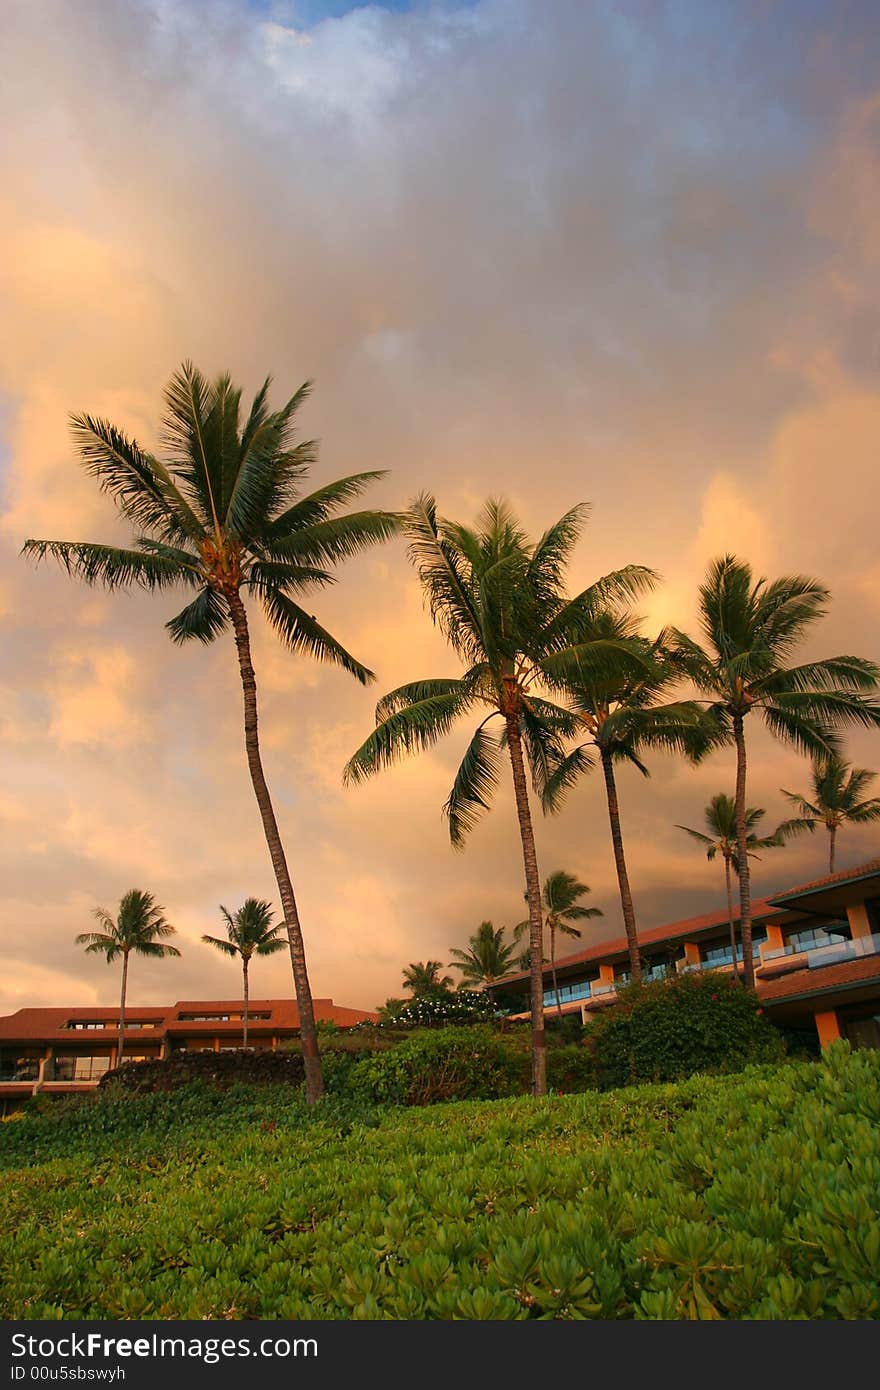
[[730, 916], [626, 902], [308, 1032], [120, 1049], [832, 831], [742, 854], [533, 894], [553, 966], [244, 1017]]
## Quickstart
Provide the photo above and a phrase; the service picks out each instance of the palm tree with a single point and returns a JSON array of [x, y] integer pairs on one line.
[[499, 600], [225, 516], [249, 932], [140, 927], [625, 716], [750, 627], [488, 956], [423, 977], [837, 791], [720, 821], [560, 901]]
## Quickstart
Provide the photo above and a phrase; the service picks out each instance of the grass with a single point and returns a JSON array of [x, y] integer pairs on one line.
[[748, 1196]]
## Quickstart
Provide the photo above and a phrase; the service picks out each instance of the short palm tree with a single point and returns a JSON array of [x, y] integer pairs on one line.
[[499, 600], [838, 798], [750, 628], [140, 928], [560, 899], [625, 717], [423, 977], [720, 822], [249, 932], [488, 956], [225, 516]]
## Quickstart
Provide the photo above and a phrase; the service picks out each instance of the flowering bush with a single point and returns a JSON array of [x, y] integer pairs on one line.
[[441, 1009]]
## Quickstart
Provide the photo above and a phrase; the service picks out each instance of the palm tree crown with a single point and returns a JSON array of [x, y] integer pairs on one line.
[[225, 514], [499, 599], [560, 898], [249, 932], [750, 629], [838, 798], [720, 821], [140, 929], [488, 956], [624, 716], [423, 977]]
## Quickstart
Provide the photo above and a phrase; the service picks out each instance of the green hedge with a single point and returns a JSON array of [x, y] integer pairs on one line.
[[452, 1064], [670, 1029], [753, 1196], [213, 1068]]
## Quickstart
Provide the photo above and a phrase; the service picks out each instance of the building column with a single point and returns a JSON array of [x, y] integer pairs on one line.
[[827, 1027], [692, 953], [857, 916]]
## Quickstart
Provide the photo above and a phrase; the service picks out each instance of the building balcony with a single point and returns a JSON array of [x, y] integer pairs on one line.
[[781, 960]]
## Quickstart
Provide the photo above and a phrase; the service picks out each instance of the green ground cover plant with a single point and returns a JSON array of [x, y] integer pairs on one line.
[[747, 1196]]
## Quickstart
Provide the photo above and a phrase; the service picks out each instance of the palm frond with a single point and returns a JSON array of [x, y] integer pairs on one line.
[[563, 777], [412, 729], [474, 784], [301, 632], [112, 567], [202, 620]]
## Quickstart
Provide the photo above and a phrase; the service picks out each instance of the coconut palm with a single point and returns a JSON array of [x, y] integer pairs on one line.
[[560, 899], [423, 977], [624, 717], [499, 600], [750, 628], [225, 516], [488, 956], [249, 932], [140, 928], [720, 821], [838, 799]]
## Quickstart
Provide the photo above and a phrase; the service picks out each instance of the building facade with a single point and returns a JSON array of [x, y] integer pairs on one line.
[[817, 959], [62, 1051]]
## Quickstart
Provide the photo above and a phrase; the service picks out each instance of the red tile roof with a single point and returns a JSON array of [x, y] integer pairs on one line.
[[830, 880], [825, 977], [763, 909], [50, 1025]]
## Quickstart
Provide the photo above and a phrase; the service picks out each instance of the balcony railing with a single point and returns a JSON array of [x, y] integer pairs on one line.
[[833, 954]]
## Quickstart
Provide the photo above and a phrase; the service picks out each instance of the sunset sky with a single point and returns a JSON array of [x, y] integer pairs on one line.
[[623, 253]]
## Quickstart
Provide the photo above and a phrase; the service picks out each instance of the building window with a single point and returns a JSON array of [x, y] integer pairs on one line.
[[80, 1068], [833, 933], [568, 993], [723, 955]]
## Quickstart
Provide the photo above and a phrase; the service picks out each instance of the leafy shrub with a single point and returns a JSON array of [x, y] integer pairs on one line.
[[669, 1029], [213, 1068], [750, 1196], [571, 1067], [450, 1064]]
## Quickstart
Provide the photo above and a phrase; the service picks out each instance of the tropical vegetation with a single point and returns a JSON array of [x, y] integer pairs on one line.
[[622, 716], [250, 931], [720, 837], [487, 957], [140, 928], [750, 629], [560, 899], [225, 515], [749, 1197], [837, 798], [500, 600]]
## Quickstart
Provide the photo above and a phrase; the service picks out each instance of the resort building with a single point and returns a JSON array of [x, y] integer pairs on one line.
[[817, 959], [67, 1050]]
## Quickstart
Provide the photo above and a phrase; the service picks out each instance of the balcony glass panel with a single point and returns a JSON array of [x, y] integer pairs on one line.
[[568, 993]]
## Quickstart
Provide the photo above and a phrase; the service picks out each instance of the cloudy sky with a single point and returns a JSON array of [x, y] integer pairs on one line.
[[626, 253]]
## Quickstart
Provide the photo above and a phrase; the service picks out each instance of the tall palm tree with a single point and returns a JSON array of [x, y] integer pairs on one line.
[[750, 628], [625, 716], [720, 821], [224, 516], [499, 600], [488, 956], [560, 899], [140, 927], [838, 799], [423, 977], [249, 932]]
